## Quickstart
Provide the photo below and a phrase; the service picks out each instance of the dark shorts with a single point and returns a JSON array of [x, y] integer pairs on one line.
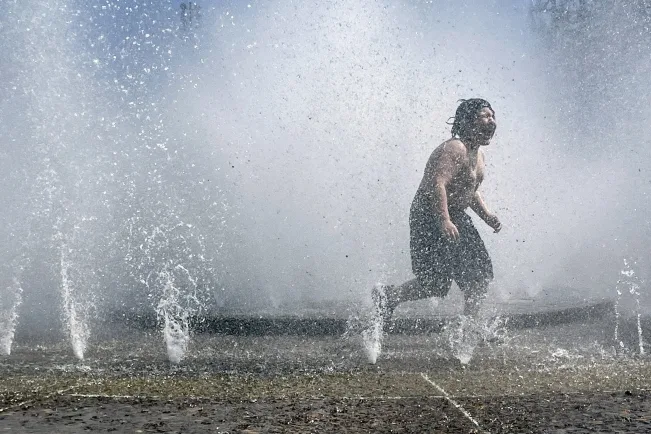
[[437, 261]]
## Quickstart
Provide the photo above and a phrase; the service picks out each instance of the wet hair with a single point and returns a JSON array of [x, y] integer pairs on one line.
[[466, 114]]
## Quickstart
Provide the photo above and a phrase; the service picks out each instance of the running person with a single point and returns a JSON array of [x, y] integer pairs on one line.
[[444, 243]]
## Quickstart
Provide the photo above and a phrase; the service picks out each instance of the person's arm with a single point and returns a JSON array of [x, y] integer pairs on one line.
[[479, 207], [440, 199]]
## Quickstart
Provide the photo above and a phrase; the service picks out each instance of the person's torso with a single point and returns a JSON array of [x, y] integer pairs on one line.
[[460, 190]]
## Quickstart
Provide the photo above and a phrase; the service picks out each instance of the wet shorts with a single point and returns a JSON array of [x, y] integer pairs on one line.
[[437, 261]]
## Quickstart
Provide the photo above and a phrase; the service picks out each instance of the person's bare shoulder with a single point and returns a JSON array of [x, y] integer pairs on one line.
[[446, 157], [452, 149]]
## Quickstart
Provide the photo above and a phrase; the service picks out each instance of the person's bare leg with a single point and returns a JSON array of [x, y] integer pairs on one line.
[[409, 290], [388, 297], [412, 290], [474, 294]]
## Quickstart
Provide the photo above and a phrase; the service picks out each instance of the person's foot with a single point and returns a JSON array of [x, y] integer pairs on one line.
[[383, 307]]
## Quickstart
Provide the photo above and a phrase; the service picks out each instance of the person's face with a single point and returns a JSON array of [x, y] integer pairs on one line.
[[485, 125]]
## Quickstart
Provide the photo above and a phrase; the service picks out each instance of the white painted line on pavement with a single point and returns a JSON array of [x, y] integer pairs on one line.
[[452, 401]]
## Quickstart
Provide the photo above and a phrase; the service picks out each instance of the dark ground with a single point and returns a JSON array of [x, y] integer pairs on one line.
[[555, 378], [615, 412]]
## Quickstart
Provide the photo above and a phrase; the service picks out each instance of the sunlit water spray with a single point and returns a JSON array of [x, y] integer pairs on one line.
[[628, 287], [98, 152], [172, 265], [74, 239], [76, 296], [316, 119], [372, 340], [463, 338], [372, 331], [9, 304], [77, 325], [461, 335], [174, 318], [466, 333]]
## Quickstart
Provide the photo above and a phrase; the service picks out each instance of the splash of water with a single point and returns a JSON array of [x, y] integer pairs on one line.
[[176, 329], [629, 283], [64, 76], [372, 338], [463, 337], [11, 300], [466, 333], [101, 138], [76, 314], [373, 332], [177, 273]]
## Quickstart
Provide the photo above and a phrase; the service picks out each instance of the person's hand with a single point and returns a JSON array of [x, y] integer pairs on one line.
[[494, 223], [450, 230]]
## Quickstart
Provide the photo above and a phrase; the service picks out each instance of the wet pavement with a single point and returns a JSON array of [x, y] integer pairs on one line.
[[556, 378]]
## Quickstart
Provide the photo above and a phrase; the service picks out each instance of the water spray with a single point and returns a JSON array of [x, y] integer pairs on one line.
[[629, 283]]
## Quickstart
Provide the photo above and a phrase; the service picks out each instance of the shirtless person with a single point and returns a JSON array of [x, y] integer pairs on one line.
[[445, 245]]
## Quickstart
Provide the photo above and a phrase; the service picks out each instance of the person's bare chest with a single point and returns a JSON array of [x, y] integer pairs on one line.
[[468, 177]]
